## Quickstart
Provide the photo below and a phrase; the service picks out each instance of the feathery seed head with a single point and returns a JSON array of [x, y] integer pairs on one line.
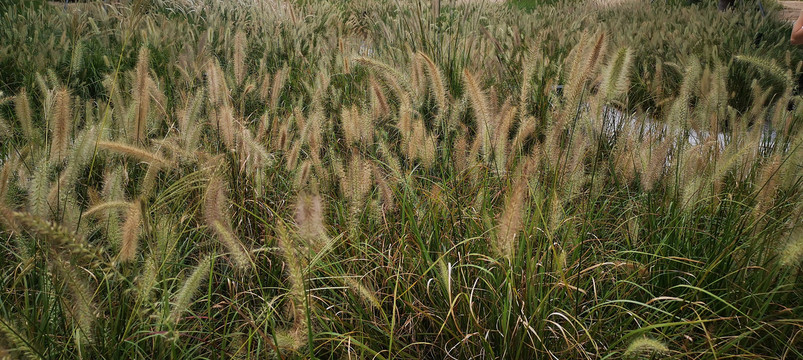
[[131, 231], [645, 348], [616, 75], [217, 219], [309, 220], [792, 252], [142, 97], [186, 294], [22, 108], [482, 113], [240, 43], [437, 84], [133, 151], [511, 219], [61, 125], [766, 184], [38, 191], [82, 314]]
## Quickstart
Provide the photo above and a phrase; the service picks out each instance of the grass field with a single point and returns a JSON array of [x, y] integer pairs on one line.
[[399, 179]]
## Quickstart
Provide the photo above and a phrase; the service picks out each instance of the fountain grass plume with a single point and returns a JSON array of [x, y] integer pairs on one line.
[[482, 114], [528, 70], [392, 78], [511, 220], [582, 63], [6, 173], [791, 253], [142, 98], [79, 157], [131, 232], [379, 102], [294, 337], [184, 297], [133, 151], [279, 78], [5, 128], [60, 239], [102, 207], [679, 113], [38, 191], [149, 180], [61, 126], [767, 183], [653, 161], [363, 291], [17, 341], [218, 220], [769, 67], [309, 215], [348, 122], [645, 348], [22, 107], [390, 160], [217, 92], [238, 56], [437, 84], [77, 57], [225, 125], [386, 194], [81, 304], [616, 75], [527, 126], [507, 114], [187, 120], [292, 155]]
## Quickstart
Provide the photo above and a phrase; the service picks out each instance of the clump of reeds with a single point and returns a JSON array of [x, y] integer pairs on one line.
[[611, 173]]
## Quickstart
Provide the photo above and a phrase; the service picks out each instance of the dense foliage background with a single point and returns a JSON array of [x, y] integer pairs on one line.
[[399, 179]]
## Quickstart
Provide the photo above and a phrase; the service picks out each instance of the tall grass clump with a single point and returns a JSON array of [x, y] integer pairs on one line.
[[374, 179]]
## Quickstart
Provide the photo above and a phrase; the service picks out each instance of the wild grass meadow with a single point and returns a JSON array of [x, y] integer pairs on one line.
[[399, 179]]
